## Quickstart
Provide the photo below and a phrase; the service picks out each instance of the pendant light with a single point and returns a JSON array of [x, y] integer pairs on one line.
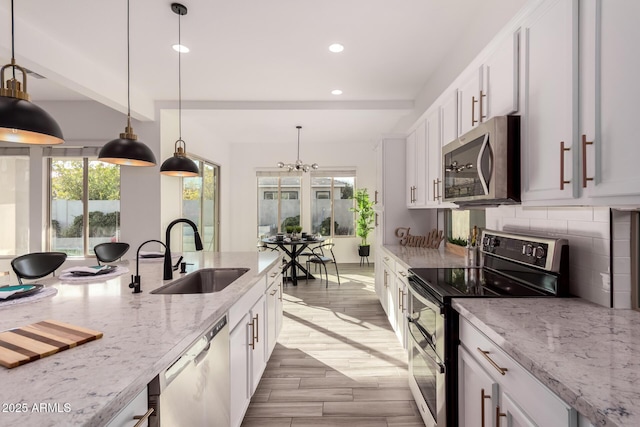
[[20, 120], [127, 150], [179, 164], [298, 165]]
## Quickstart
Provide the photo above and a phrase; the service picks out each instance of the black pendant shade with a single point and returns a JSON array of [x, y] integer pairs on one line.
[[179, 164], [24, 122], [127, 152]]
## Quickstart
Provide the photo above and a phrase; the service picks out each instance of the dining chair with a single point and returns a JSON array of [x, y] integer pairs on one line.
[[110, 251], [323, 255], [308, 252], [36, 265]]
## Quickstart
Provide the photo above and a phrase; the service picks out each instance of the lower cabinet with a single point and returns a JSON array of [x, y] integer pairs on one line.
[[401, 285], [494, 390], [135, 412], [255, 322]]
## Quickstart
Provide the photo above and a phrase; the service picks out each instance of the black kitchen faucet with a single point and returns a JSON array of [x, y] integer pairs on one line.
[[168, 268]]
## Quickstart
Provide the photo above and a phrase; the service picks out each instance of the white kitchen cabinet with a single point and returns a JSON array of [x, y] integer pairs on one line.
[[610, 94], [388, 299], [477, 393], [433, 122], [449, 117], [247, 347], [401, 285], [416, 167], [274, 307], [522, 400], [500, 75], [131, 414], [549, 129], [469, 105]]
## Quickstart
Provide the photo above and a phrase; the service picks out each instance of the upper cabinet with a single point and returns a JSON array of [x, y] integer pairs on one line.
[[449, 116], [549, 130], [500, 84], [610, 94], [469, 106], [416, 167]]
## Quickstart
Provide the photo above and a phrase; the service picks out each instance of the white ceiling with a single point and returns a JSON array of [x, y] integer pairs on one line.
[[243, 51]]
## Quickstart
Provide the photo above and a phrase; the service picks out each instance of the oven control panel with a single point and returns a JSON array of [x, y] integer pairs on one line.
[[526, 251]]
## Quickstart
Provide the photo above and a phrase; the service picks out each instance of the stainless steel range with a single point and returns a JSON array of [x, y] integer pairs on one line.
[[513, 265]]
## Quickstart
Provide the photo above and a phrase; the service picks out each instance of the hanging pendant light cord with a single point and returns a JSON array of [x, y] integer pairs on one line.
[[13, 43], [128, 70], [179, 79], [298, 158]]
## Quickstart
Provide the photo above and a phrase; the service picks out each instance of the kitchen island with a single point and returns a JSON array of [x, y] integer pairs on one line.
[[143, 334], [586, 354]]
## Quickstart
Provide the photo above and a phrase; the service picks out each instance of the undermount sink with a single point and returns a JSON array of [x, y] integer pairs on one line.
[[205, 281]]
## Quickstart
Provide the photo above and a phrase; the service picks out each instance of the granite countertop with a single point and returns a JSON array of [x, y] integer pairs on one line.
[[425, 257], [587, 354], [143, 334]]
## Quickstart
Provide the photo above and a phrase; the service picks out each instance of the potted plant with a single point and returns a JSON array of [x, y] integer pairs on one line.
[[365, 215]]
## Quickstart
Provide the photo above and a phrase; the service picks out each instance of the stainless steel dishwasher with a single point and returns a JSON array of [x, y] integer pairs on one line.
[[194, 390]]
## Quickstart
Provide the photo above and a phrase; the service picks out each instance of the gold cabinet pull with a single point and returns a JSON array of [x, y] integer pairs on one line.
[[473, 110], [482, 116], [562, 150], [584, 161], [257, 329], [482, 398], [498, 415], [376, 219], [375, 197], [142, 418], [273, 292], [436, 189], [490, 360], [400, 299], [280, 287], [385, 277], [253, 334]]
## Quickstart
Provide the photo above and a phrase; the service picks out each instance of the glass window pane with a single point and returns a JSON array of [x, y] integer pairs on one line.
[[14, 205], [191, 207], [67, 229], [290, 204], [103, 203], [267, 206], [343, 216], [209, 187], [321, 207]]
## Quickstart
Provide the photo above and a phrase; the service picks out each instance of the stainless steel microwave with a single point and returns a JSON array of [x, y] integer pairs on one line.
[[482, 167]]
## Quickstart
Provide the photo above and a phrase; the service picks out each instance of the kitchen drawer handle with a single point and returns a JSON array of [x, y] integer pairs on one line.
[[253, 334], [280, 286], [482, 398], [494, 364], [273, 292], [584, 161], [498, 415], [274, 274], [385, 278], [142, 418], [400, 299], [562, 180]]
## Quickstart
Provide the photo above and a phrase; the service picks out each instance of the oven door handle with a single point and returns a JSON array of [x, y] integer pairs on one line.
[[436, 362], [427, 336], [429, 301]]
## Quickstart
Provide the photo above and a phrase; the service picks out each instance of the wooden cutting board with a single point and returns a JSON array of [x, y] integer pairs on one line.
[[32, 342]]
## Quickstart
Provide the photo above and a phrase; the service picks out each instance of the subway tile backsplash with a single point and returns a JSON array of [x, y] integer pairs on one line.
[[591, 232]]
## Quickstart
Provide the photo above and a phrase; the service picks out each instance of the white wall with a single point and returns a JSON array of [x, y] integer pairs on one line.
[[591, 256]]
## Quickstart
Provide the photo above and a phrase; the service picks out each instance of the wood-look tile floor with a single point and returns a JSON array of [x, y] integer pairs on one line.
[[337, 361]]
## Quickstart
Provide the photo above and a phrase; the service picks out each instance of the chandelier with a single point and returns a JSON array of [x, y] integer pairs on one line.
[[298, 165]]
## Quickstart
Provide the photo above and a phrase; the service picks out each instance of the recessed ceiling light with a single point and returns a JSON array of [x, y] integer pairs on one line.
[[336, 48], [336, 92], [180, 48]]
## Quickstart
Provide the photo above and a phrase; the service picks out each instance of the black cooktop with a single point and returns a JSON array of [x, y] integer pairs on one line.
[[447, 283]]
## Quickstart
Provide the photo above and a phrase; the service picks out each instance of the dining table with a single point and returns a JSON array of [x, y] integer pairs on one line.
[[293, 248]]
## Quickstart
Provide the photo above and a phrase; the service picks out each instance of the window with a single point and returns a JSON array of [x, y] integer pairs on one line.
[[14, 201], [284, 195], [84, 204], [331, 213], [278, 202], [200, 202]]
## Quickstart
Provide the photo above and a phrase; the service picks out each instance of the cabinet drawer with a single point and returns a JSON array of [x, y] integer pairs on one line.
[[274, 274], [534, 398], [389, 261], [402, 271]]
